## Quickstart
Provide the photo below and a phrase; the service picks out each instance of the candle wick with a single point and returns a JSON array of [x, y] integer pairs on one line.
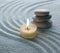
[[27, 28]]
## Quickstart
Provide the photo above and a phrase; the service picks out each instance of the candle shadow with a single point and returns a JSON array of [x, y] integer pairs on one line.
[[42, 32]]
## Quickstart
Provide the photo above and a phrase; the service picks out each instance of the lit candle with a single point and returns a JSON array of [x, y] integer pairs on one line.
[[28, 30]]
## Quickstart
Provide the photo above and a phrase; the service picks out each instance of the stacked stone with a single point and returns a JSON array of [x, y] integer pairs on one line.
[[42, 18]]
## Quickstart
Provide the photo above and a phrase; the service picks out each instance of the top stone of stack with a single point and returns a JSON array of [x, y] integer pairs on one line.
[[41, 12]]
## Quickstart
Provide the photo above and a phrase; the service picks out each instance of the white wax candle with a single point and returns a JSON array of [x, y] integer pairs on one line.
[[29, 31]]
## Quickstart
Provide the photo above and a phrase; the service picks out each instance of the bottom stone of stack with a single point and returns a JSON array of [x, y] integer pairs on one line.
[[43, 25]]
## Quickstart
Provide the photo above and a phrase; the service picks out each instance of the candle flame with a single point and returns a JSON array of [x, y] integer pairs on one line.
[[27, 22]]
